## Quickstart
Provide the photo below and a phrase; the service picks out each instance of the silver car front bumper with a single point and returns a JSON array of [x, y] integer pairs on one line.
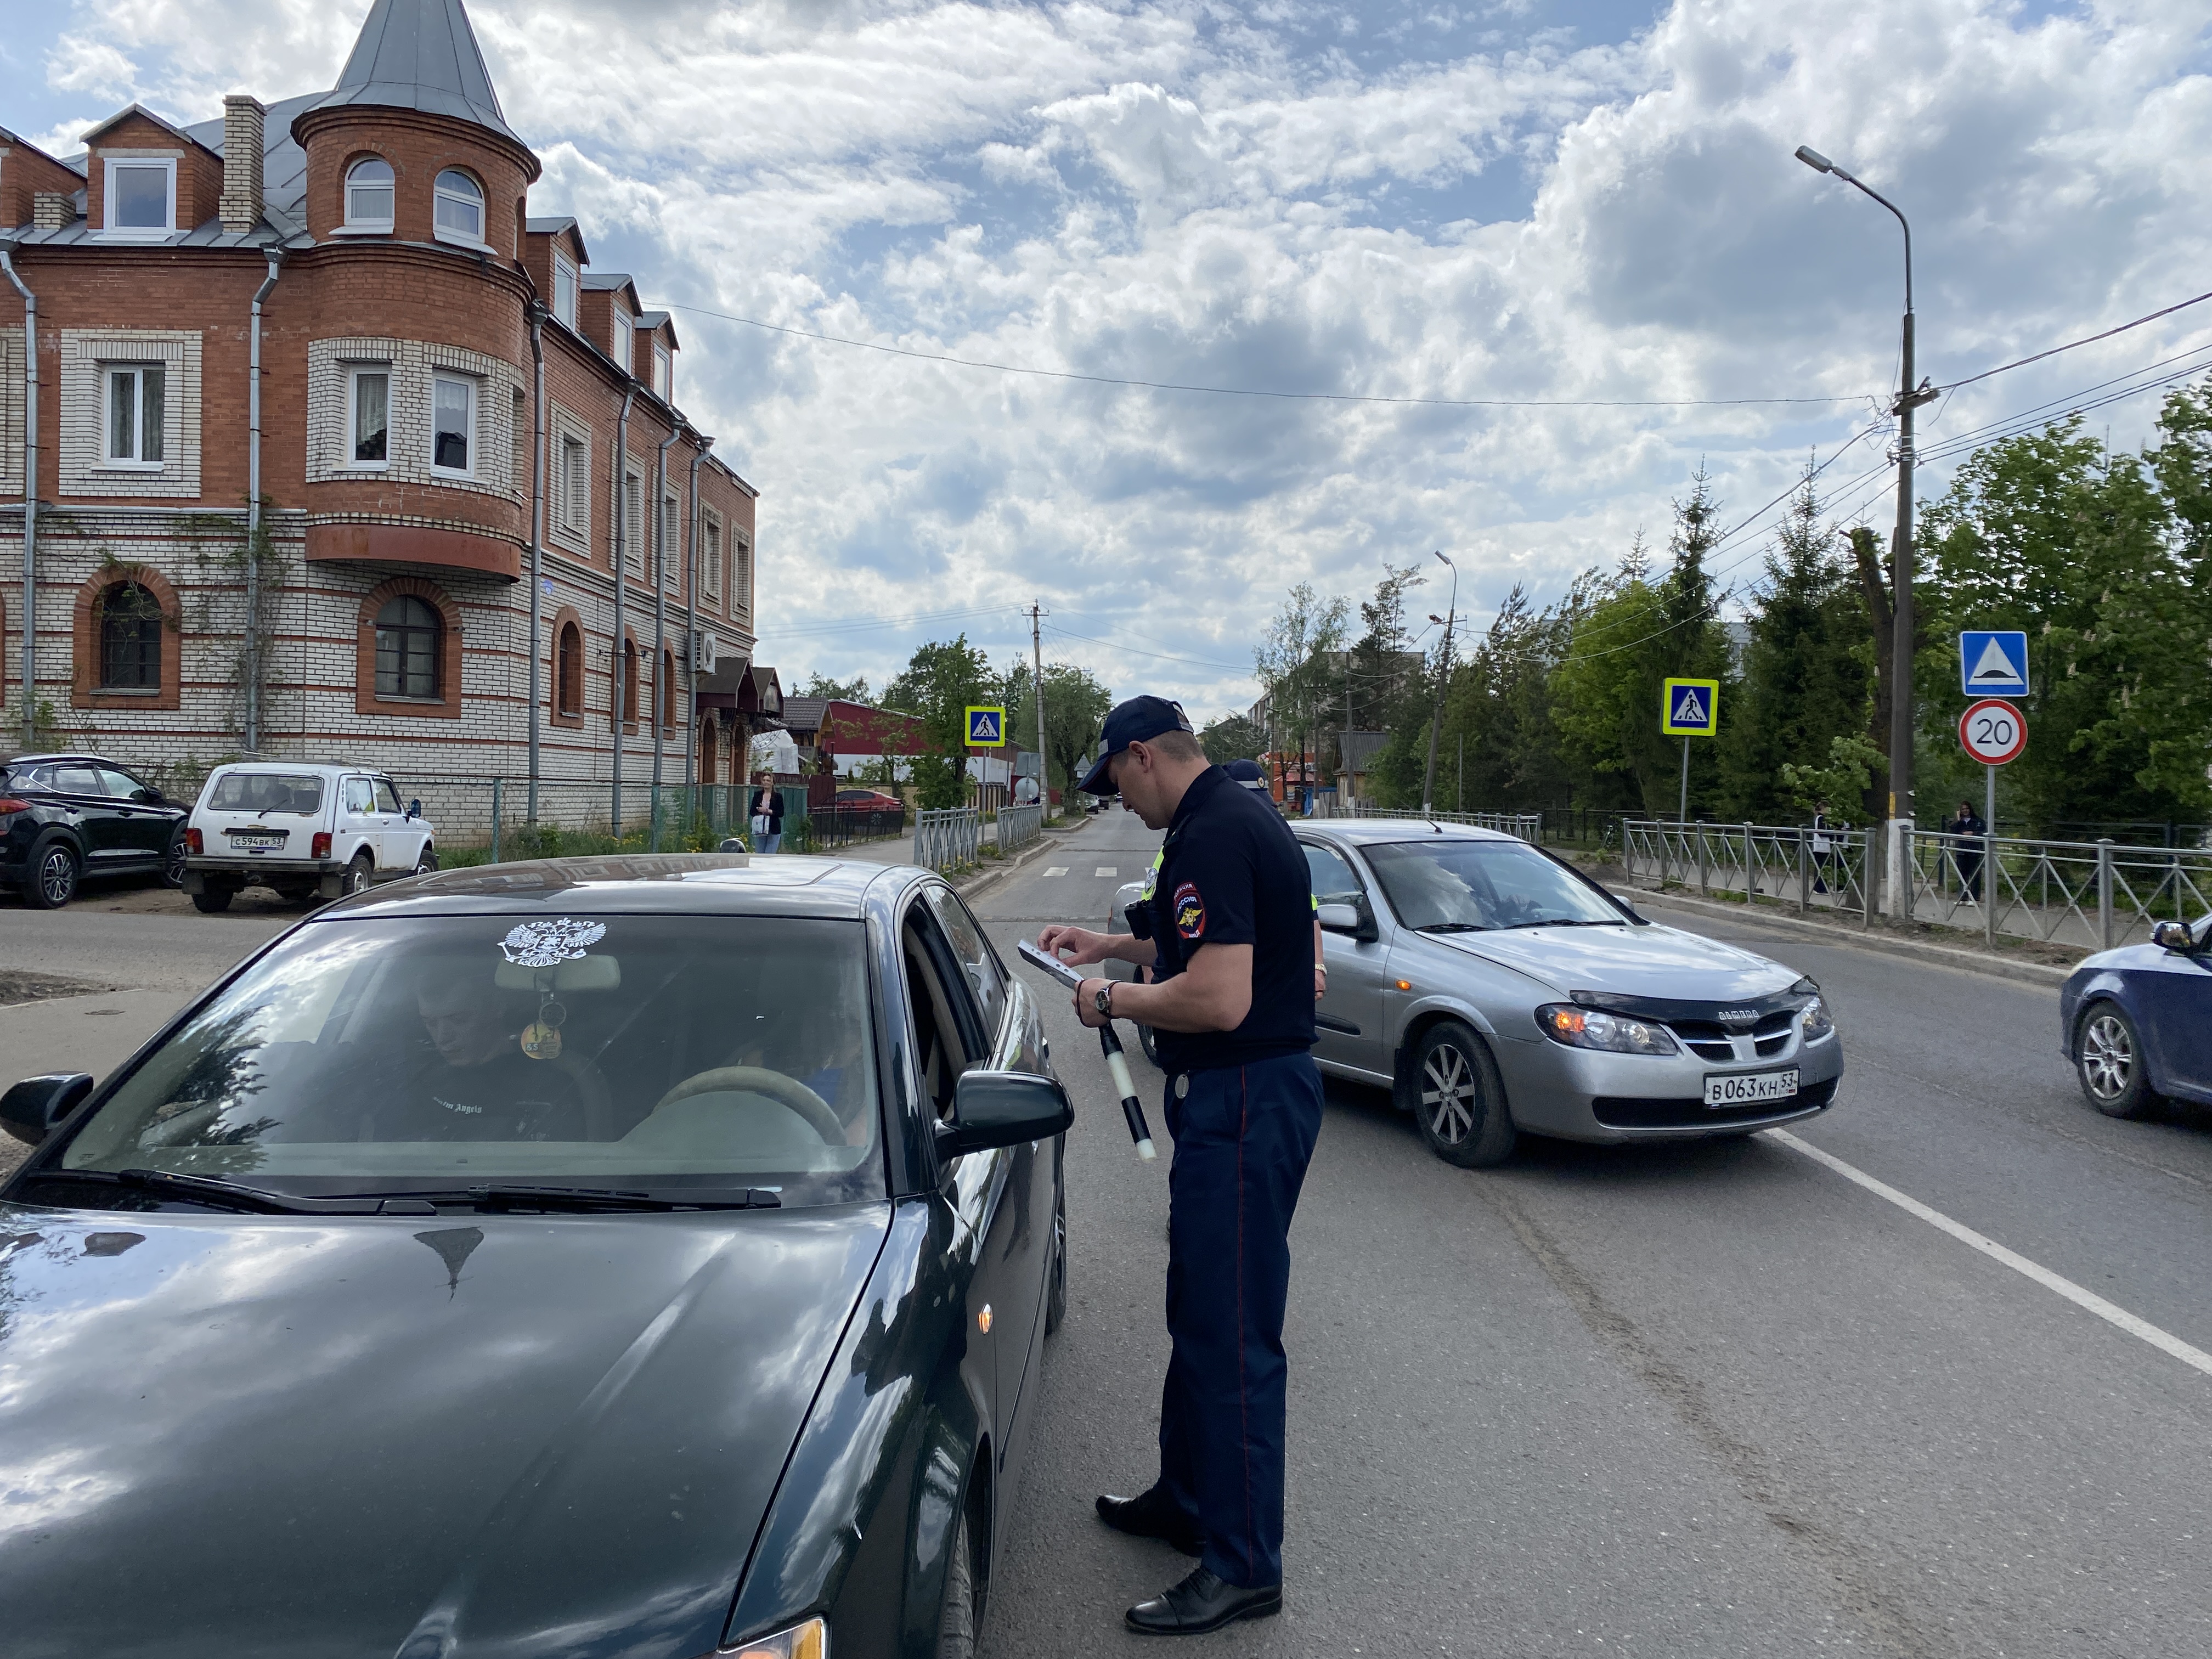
[[1581, 1094]]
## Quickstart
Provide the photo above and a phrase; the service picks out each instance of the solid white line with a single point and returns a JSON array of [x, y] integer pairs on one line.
[[2109, 1312]]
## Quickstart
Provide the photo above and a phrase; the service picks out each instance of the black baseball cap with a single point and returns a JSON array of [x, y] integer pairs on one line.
[[1137, 720], [1247, 773]]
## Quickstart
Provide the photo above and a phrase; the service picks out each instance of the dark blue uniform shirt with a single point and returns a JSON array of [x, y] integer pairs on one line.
[[1234, 874]]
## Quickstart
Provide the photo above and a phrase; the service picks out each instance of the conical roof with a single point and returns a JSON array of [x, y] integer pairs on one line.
[[420, 55]]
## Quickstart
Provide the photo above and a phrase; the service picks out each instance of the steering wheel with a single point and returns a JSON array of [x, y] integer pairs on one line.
[[785, 1092]]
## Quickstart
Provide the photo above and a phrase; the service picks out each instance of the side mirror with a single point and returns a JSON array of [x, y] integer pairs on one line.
[[1354, 919], [1002, 1109], [2174, 936], [415, 809], [147, 797], [30, 1111], [732, 844]]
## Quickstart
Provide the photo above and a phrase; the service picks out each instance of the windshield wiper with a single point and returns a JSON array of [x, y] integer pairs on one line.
[[1452, 927], [1574, 922], [218, 1194], [603, 1197]]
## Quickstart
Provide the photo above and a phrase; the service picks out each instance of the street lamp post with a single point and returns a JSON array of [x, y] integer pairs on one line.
[[1910, 397], [1443, 677]]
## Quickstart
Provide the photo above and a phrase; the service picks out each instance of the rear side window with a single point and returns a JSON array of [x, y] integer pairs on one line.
[[299, 794], [78, 781]]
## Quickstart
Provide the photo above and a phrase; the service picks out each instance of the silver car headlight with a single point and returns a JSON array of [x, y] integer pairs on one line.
[[1593, 1028], [1819, 1022], [808, 1641]]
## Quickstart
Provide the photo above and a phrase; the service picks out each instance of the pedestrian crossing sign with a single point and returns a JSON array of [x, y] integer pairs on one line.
[[1993, 662], [1691, 708], [987, 727]]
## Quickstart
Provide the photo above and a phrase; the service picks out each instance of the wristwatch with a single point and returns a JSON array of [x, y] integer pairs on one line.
[[1103, 1000]]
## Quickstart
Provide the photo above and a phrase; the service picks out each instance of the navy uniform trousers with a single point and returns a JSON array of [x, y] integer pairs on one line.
[[1243, 1136]]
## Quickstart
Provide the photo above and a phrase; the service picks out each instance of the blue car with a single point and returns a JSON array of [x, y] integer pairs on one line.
[[2138, 1021]]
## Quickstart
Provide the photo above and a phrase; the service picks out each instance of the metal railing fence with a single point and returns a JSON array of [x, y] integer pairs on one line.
[[1018, 826], [1788, 864], [1527, 825], [2095, 894], [947, 838]]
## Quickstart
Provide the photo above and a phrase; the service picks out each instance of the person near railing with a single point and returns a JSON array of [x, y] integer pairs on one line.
[[765, 815], [1967, 851], [1824, 845]]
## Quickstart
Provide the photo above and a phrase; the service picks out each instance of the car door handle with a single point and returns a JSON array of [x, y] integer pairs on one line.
[[1343, 1027]]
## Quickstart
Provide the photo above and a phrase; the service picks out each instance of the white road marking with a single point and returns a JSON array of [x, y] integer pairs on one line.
[[1106, 869], [1057, 870], [2165, 1341]]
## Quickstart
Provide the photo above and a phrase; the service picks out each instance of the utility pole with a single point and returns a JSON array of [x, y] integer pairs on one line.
[[1036, 658], [1444, 679], [1909, 396]]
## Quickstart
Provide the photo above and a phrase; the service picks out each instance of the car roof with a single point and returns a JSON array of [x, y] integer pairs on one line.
[[672, 883], [1362, 832], [71, 755], [300, 766]]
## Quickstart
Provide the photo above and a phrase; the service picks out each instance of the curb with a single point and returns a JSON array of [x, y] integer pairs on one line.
[[1941, 956], [968, 886]]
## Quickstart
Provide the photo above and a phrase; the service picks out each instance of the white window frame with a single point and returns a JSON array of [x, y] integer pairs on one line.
[[138, 370], [113, 232], [564, 270], [354, 227], [445, 376], [633, 497], [354, 373], [710, 556], [741, 574], [482, 201], [575, 481], [622, 336], [672, 541], [663, 371]]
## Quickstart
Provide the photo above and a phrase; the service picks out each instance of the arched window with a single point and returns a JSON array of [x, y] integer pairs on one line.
[[569, 672], [130, 639], [629, 682], [409, 632], [368, 188], [460, 207]]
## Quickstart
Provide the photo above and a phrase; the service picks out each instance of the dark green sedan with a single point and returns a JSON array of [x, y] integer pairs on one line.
[[641, 1256]]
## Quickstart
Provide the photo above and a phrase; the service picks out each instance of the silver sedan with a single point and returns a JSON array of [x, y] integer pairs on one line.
[[1495, 990]]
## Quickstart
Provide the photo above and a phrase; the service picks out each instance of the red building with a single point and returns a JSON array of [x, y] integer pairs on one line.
[[337, 450]]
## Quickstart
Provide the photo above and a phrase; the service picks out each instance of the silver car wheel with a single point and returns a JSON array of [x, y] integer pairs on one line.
[[1447, 1095], [2108, 1060]]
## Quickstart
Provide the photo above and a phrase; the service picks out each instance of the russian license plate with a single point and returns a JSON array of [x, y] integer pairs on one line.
[[256, 837], [1749, 1089]]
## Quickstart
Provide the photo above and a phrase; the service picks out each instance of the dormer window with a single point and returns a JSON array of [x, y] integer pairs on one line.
[[141, 197], [460, 209], [663, 372], [625, 353], [564, 287], [369, 192]]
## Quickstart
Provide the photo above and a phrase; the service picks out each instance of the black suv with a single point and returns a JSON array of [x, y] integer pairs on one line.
[[64, 818]]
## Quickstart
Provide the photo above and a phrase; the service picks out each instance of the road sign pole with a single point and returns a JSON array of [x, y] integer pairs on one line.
[[1989, 865], [1683, 814]]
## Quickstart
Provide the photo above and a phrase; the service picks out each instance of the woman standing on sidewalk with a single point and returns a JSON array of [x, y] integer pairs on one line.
[[766, 814]]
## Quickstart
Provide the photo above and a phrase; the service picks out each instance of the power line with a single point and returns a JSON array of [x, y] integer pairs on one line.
[[1117, 644], [2087, 339], [1254, 391]]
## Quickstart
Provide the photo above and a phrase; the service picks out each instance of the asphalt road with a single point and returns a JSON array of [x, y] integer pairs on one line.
[[1681, 1401], [1711, 1400]]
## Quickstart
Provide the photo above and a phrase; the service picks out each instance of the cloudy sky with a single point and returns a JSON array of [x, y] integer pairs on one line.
[[1573, 226]]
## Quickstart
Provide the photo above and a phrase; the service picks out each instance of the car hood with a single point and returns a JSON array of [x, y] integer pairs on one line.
[[264, 1436], [1651, 961]]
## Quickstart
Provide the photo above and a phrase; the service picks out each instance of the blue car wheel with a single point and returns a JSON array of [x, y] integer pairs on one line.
[[2108, 1059]]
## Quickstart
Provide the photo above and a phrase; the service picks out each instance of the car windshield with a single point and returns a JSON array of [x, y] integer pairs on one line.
[[656, 1053], [298, 793], [1453, 886]]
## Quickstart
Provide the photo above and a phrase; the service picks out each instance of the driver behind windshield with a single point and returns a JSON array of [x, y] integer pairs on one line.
[[469, 1077], [822, 1044]]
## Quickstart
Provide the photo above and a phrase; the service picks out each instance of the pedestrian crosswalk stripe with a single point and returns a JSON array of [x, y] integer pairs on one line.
[[1057, 870], [1106, 869]]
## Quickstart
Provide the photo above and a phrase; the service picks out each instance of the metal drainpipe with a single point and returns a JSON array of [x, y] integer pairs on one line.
[[621, 520], [30, 495], [691, 621], [276, 259], [538, 469], [661, 689]]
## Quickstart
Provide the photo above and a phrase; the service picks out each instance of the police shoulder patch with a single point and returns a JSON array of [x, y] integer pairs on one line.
[[1189, 911]]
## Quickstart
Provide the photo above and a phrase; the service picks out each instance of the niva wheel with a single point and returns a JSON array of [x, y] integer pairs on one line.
[[1457, 1098], [2109, 1062], [359, 874]]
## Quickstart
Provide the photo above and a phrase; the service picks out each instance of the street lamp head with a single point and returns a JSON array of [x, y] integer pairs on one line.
[[1812, 159], [1440, 555], [1434, 618]]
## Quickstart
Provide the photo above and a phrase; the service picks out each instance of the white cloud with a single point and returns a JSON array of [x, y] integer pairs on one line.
[[1305, 202]]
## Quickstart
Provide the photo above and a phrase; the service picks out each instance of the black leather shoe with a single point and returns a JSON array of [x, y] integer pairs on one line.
[[1153, 1514], [1202, 1602]]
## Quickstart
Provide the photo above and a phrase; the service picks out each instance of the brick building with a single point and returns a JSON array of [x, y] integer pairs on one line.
[[447, 395]]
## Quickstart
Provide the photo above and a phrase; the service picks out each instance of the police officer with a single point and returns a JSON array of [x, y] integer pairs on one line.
[[1233, 950]]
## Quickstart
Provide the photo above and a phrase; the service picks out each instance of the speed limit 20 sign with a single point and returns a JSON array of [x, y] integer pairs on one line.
[[1993, 732]]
